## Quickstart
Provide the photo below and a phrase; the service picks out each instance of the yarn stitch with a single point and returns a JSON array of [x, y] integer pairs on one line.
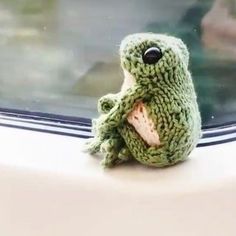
[[165, 89]]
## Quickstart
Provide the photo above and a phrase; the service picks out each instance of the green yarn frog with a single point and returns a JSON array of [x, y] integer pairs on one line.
[[154, 118]]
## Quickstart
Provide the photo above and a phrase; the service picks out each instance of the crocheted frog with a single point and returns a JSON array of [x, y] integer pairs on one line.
[[154, 118]]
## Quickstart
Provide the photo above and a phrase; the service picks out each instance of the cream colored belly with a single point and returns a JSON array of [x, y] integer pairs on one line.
[[144, 126]]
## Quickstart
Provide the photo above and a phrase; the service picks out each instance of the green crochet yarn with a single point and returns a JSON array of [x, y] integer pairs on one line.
[[162, 83]]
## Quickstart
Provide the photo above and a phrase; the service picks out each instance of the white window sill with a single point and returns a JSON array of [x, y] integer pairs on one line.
[[48, 186]]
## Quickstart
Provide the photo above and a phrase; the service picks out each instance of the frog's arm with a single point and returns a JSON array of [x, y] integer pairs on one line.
[[121, 109]]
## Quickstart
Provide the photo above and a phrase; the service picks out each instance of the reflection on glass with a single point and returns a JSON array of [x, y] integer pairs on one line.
[[59, 56]]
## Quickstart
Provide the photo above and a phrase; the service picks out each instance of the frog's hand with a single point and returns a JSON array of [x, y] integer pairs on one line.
[[106, 103], [153, 156], [122, 108]]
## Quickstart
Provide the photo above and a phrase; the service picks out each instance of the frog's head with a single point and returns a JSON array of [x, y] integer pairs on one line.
[[145, 56]]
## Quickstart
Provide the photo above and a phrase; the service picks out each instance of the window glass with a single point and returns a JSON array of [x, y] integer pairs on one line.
[[59, 56]]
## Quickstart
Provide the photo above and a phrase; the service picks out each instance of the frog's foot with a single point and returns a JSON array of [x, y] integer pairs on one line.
[[109, 150], [110, 160], [92, 145], [125, 154], [114, 152]]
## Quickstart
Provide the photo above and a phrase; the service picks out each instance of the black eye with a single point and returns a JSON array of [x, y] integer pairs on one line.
[[152, 55]]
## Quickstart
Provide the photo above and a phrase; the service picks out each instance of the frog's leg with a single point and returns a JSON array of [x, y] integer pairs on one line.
[[152, 156]]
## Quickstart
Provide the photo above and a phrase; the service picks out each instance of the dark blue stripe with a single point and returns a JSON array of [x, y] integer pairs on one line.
[[46, 117], [216, 142], [218, 132], [46, 131], [75, 127]]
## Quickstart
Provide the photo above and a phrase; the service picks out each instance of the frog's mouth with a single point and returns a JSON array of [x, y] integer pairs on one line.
[[139, 117]]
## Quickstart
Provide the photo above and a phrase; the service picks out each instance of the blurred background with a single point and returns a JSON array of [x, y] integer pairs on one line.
[[59, 56]]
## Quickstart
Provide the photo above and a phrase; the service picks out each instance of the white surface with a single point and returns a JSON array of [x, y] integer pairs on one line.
[[49, 187]]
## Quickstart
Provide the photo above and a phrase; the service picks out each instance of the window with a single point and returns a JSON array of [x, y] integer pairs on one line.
[[59, 56]]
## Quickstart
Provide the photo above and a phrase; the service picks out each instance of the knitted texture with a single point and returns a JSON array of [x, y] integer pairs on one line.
[[163, 86]]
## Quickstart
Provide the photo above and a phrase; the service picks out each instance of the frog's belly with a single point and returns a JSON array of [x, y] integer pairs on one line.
[[144, 126]]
